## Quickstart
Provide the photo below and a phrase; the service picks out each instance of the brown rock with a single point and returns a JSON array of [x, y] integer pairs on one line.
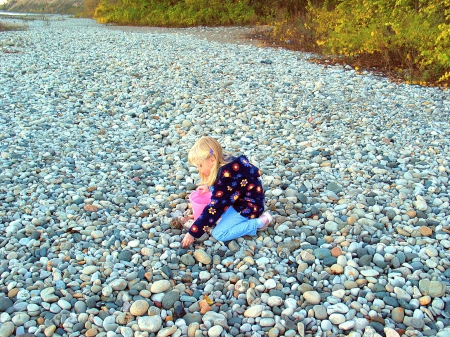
[[378, 319], [149, 276], [204, 307], [13, 292], [411, 213], [398, 314], [175, 223], [328, 238], [92, 188], [90, 208], [425, 231], [351, 220], [425, 300], [92, 332], [336, 251], [49, 331], [361, 282], [401, 231], [337, 269]]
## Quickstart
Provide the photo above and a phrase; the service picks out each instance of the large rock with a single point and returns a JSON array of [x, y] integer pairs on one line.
[[160, 286], [203, 257], [215, 319], [254, 311], [150, 323], [312, 297], [139, 308], [432, 288]]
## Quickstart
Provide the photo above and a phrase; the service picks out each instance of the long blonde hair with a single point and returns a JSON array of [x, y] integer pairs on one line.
[[203, 149]]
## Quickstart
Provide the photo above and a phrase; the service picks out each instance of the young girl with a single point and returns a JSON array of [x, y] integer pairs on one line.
[[237, 201]]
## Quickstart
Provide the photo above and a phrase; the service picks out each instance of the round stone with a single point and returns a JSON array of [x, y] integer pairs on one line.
[[139, 308], [203, 257], [150, 323], [160, 286], [312, 297]]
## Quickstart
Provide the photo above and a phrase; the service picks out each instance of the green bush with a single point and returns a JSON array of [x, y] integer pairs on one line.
[[409, 38], [398, 34], [176, 13]]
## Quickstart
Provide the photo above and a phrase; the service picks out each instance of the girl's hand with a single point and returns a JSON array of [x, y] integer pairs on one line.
[[203, 189], [187, 240]]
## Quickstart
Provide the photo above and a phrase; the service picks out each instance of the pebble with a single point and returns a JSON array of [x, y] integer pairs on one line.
[[149, 323], [355, 169], [139, 308]]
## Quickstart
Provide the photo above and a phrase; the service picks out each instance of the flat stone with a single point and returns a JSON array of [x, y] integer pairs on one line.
[[254, 311]]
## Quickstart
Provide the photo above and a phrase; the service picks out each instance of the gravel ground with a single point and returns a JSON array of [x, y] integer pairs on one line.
[[95, 125]]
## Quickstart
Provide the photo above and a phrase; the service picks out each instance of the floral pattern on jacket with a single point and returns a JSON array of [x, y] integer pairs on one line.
[[238, 184]]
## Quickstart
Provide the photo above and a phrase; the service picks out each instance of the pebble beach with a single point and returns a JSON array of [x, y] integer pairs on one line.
[[95, 127]]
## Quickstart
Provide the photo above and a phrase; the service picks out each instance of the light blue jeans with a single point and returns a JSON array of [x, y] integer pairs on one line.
[[232, 225]]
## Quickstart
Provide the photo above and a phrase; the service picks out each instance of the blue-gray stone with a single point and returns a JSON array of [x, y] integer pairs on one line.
[[390, 214], [197, 294], [365, 260], [91, 302], [361, 252], [167, 271], [235, 320], [5, 303], [321, 253], [334, 187], [192, 318], [377, 326], [391, 301], [405, 304], [302, 198], [417, 265], [141, 274], [377, 287], [329, 261], [447, 273], [279, 293], [59, 284], [169, 299], [125, 255]]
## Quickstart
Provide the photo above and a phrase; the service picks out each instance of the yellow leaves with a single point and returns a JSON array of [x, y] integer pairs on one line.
[[444, 77], [208, 300], [320, 43]]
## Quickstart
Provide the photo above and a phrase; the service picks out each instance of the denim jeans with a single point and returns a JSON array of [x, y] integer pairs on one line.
[[232, 225]]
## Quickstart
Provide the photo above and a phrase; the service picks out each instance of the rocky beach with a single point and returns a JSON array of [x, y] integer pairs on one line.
[[95, 126]]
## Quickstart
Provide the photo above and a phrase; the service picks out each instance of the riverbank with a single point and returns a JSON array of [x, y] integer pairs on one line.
[[95, 126]]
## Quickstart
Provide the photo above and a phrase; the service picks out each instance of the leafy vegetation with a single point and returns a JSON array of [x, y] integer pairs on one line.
[[176, 13], [407, 39]]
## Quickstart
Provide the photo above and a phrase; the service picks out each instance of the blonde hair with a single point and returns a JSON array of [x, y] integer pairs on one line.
[[203, 149]]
